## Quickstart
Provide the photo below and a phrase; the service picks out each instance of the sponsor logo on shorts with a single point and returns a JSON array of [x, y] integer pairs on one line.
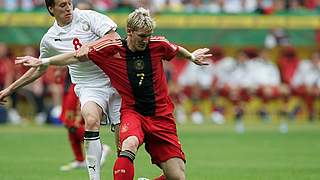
[[124, 127]]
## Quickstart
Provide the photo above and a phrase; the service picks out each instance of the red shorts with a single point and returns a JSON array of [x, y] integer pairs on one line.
[[70, 108], [158, 133], [273, 94]]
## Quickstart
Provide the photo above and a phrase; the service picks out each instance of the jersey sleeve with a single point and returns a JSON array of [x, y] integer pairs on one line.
[[101, 52], [171, 50], [99, 23], [44, 48]]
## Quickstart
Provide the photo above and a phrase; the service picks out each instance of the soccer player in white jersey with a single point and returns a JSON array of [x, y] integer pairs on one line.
[[266, 81], [73, 28], [305, 82]]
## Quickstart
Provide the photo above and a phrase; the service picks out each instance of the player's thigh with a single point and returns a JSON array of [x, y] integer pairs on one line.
[[173, 168], [93, 102], [130, 126], [113, 106], [162, 141]]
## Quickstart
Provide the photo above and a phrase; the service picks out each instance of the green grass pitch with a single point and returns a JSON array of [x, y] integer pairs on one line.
[[213, 153]]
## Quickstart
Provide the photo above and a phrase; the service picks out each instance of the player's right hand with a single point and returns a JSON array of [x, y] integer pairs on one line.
[[3, 94], [28, 61]]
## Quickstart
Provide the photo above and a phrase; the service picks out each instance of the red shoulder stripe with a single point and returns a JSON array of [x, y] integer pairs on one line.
[[106, 43]]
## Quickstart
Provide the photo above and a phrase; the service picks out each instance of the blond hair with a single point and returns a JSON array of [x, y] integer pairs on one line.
[[140, 19]]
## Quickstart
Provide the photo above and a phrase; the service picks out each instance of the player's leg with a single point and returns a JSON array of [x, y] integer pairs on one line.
[[92, 114], [131, 137], [113, 113], [123, 166], [163, 145], [93, 105], [112, 110], [173, 168]]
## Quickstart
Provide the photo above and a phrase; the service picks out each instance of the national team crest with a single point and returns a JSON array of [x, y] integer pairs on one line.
[[85, 26], [124, 127], [139, 64]]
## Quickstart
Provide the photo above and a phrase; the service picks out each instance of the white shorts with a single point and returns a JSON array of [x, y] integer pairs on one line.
[[107, 98]]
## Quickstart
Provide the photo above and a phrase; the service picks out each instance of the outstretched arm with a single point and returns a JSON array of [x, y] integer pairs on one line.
[[58, 60], [198, 56], [66, 58], [31, 75]]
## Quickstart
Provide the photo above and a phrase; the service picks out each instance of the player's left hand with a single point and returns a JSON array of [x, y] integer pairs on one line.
[[200, 56], [28, 61], [82, 52]]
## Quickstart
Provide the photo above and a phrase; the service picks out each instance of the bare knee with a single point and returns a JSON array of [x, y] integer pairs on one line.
[[92, 114], [91, 122], [131, 143]]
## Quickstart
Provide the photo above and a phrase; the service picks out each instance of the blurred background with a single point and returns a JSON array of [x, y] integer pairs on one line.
[[253, 113], [265, 65]]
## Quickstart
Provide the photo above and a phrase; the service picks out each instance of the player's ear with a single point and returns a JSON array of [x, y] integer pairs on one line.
[[129, 31], [50, 9]]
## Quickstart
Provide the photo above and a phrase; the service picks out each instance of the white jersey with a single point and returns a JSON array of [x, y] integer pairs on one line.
[[193, 74], [86, 26], [240, 75], [223, 70], [264, 72], [307, 74]]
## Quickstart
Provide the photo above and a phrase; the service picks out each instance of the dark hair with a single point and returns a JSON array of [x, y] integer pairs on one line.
[[49, 3]]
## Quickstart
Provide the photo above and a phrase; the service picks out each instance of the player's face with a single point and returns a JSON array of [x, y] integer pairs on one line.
[[140, 39], [62, 11]]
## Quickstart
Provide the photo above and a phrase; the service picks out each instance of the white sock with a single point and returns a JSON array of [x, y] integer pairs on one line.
[[93, 151]]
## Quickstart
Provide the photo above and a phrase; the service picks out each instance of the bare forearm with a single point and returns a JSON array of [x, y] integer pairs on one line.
[[198, 56], [31, 75], [61, 59], [184, 53]]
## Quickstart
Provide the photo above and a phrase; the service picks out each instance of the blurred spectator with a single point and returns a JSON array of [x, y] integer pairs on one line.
[[277, 37], [13, 5], [217, 109], [130, 4], [39, 3], [101, 5], [166, 5], [83, 4], [267, 82], [305, 81], [311, 4], [214, 6], [296, 7], [288, 62], [239, 6], [265, 7], [233, 6], [280, 6], [173, 71], [35, 91], [194, 6], [197, 80], [237, 87], [7, 73]]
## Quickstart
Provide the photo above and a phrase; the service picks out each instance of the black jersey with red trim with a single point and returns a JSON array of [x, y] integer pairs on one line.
[[138, 76]]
